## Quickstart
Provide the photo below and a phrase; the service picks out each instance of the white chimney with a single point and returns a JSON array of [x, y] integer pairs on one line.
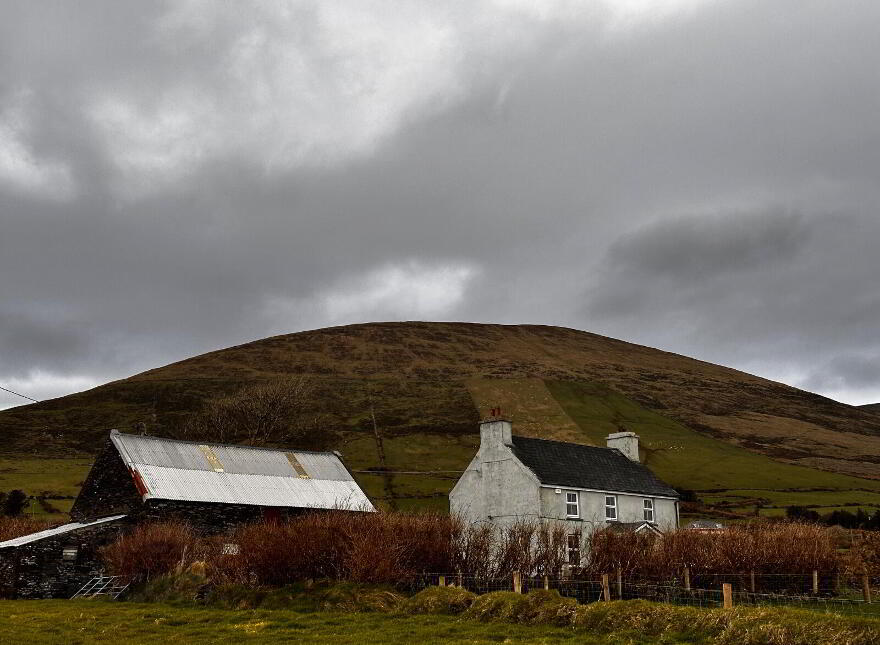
[[625, 442], [495, 439]]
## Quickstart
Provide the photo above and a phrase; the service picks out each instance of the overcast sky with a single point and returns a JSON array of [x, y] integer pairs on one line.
[[698, 176]]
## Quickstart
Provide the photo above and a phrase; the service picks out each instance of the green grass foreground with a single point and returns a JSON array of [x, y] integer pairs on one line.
[[361, 615], [39, 622]]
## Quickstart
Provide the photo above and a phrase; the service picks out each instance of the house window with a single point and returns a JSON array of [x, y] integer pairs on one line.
[[649, 510], [69, 553], [571, 505], [610, 508], [574, 549]]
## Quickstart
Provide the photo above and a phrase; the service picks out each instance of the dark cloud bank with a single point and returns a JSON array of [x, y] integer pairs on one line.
[[701, 177]]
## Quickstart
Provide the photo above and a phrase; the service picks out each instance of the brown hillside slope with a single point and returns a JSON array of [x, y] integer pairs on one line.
[[426, 377]]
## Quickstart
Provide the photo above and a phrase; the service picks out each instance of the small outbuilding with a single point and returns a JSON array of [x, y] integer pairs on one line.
[[212, 487]]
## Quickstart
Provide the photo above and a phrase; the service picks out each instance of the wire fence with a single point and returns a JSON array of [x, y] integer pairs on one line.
[[834, 592]]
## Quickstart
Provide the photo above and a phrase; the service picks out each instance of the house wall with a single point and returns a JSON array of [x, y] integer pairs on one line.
[[592, 509], [37, 570], [496, 487]]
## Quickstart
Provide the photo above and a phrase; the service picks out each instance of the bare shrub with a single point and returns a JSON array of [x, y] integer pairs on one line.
[[863, 556], [473, 549], [13, 527], [515, 550], [551, 549], [273, 412], [760, 547], [394, 548], [152, 550], [628, 552]]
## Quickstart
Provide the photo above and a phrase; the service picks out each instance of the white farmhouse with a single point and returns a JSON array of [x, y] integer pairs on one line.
[[586, 487]]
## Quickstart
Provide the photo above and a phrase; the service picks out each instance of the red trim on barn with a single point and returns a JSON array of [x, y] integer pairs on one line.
[[139, 483]]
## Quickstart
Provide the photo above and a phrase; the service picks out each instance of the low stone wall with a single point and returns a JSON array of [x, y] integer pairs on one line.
[[38, 569]]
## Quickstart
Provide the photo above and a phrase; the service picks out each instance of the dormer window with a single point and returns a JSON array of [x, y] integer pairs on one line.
[[572, 509], [611, 508]]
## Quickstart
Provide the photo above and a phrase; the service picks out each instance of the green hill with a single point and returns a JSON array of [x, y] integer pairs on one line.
[[740, 439]]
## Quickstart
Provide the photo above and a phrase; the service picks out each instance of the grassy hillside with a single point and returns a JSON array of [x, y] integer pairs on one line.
[[703, 426]]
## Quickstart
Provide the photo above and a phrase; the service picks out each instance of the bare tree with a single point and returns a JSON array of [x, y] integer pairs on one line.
[[274, 412]]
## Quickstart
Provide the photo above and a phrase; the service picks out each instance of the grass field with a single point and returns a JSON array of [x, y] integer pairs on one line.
[[84, 622], [53, 478]]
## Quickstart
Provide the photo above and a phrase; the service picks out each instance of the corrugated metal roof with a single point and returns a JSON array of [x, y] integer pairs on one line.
[[190, 471], [263, 490], [58, 530]]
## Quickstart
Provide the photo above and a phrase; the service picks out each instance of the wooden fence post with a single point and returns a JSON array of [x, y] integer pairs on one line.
[[460, 585], [752, 581], [815, 582], [442, 581], [687, 578], [866, 588], [727, 591], [547, 583], [517, 582], [619, 584], [606, 588]]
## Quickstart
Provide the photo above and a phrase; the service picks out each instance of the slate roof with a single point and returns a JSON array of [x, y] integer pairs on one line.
[[196, 472], [557, 463]]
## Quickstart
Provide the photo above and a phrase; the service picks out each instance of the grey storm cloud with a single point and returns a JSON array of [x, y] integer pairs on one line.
[[697, 175]]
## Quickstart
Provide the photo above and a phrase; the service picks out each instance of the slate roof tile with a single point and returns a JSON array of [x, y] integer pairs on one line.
[[557, 463]]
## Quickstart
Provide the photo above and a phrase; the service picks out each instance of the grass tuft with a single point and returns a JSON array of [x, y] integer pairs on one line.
[[440, 600]]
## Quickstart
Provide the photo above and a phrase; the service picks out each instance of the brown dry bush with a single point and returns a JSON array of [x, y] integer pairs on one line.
[[13, 527], [551, 553], [515, 550], [152, 550], [863, 556], [473, 549], [395, 548], [761, 547], [374, 548]]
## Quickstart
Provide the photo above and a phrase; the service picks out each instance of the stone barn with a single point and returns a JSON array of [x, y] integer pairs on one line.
[[137, 478]]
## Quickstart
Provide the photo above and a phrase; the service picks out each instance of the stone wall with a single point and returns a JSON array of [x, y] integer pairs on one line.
[[38, 569], [208, 518], [107, 490]]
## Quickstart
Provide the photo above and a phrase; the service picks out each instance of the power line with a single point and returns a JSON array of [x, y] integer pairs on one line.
[[17, 394]]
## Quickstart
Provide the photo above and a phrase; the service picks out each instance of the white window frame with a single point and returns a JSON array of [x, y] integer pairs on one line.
[[611, 508], [648, 510], [569, 503]]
